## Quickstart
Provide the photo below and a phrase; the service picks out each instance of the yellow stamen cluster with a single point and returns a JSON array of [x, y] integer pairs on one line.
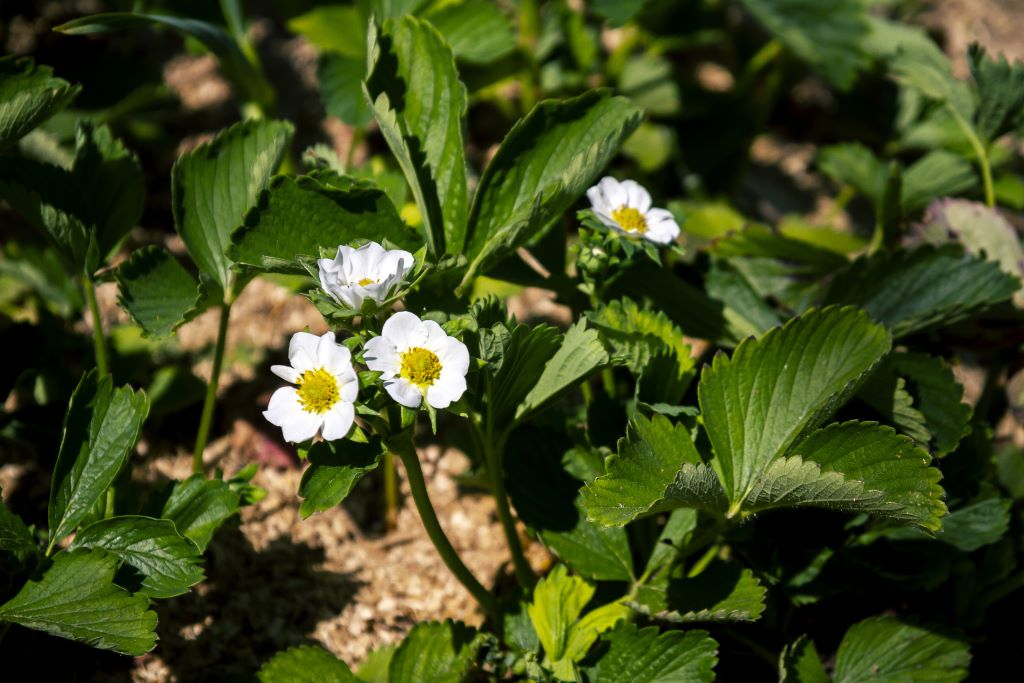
[[630, 219], [420, 366], [318, 391], [366, 281]]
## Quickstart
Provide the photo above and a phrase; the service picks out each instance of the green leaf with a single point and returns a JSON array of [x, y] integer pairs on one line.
[[29, 94], [827, 36], [232, 60], [374, 668], [800, 663], [539, 475], [169, 563], [654, 459], [649, 80], [198, 505], [580, 354], [1000, 92], [543, 165], [334, 469], [885, 650], [647, 656], [334, 28], [435, 652], [967, 528], [983, 231], [937, 174], [216, 184], [922, 67], [76, 598], [157, 292], [297, 216], [742, 306], [936, 398], [14, 535], [773, 390], [909, 291], [305, 664], [477, 30], [855, 165], [894, 474], [419, 104], [85, 210], [637, 335], [101, 427], [722, 592], [519, 359], [341, 87]]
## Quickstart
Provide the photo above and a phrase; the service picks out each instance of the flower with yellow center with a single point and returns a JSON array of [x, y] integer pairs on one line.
[[418, 361], [626, 207], [326, 388], [369, 272]]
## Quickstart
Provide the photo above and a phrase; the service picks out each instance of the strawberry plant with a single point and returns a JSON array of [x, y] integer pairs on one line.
[[757, 443]]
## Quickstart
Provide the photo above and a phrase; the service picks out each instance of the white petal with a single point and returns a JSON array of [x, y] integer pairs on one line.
[[636, 196], [364, 261], [302, 351], [597, 200], [348, 385], [435, 336], [302, 428], [286, 372], [448, 388], [661, 226], [375, 292], [613, 192], [454, 356], [350, 296], [381, 356], [343, 263], [404, 392], [332, 356], [397, 262], [405, 330], [284, 405], [338, 420]]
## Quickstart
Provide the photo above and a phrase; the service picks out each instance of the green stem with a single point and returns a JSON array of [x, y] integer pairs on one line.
[[705, 559], [211, 391], [493, 457], [390, 492], [102, 364], [418, 488], [980, 152]]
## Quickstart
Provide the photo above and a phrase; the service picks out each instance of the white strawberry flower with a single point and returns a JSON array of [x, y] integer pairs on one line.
[[327, 389], [418, 361], [368, 272], [626, 206]]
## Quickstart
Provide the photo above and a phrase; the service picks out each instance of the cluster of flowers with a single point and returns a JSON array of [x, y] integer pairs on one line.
[[417, 360]]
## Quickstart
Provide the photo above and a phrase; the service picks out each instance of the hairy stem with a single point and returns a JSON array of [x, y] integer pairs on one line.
[[211, 391], [102, 364], [390, 492], [437, 536]]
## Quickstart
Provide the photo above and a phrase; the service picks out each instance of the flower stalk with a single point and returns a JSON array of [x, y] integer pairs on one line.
[[493, 456], [211, 391], [102, 363]]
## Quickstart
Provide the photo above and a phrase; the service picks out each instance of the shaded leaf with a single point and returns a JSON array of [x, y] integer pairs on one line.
[[477, 30], [722, 592], [341, 87], [198, 505], [885, 650], [1000, 92], [76, 598], [434, 652], [800, 663], [305, 664], [335, 467], [169, 563], [157, 292], [580, 354], [647, 656], [29, 94]]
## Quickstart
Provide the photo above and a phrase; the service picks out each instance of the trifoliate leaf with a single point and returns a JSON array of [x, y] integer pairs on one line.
[[826, 36], [543, 165], [101, 427], [169, 563], [157, 292], [305, 664], [909, 291], [722, 592], [216, 184], [76, 598], [435, 652], [198, 505], [298, 216], [29, 94], [419, 102], [885, 650], [335, 467], [759, 402], [647, 656]]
